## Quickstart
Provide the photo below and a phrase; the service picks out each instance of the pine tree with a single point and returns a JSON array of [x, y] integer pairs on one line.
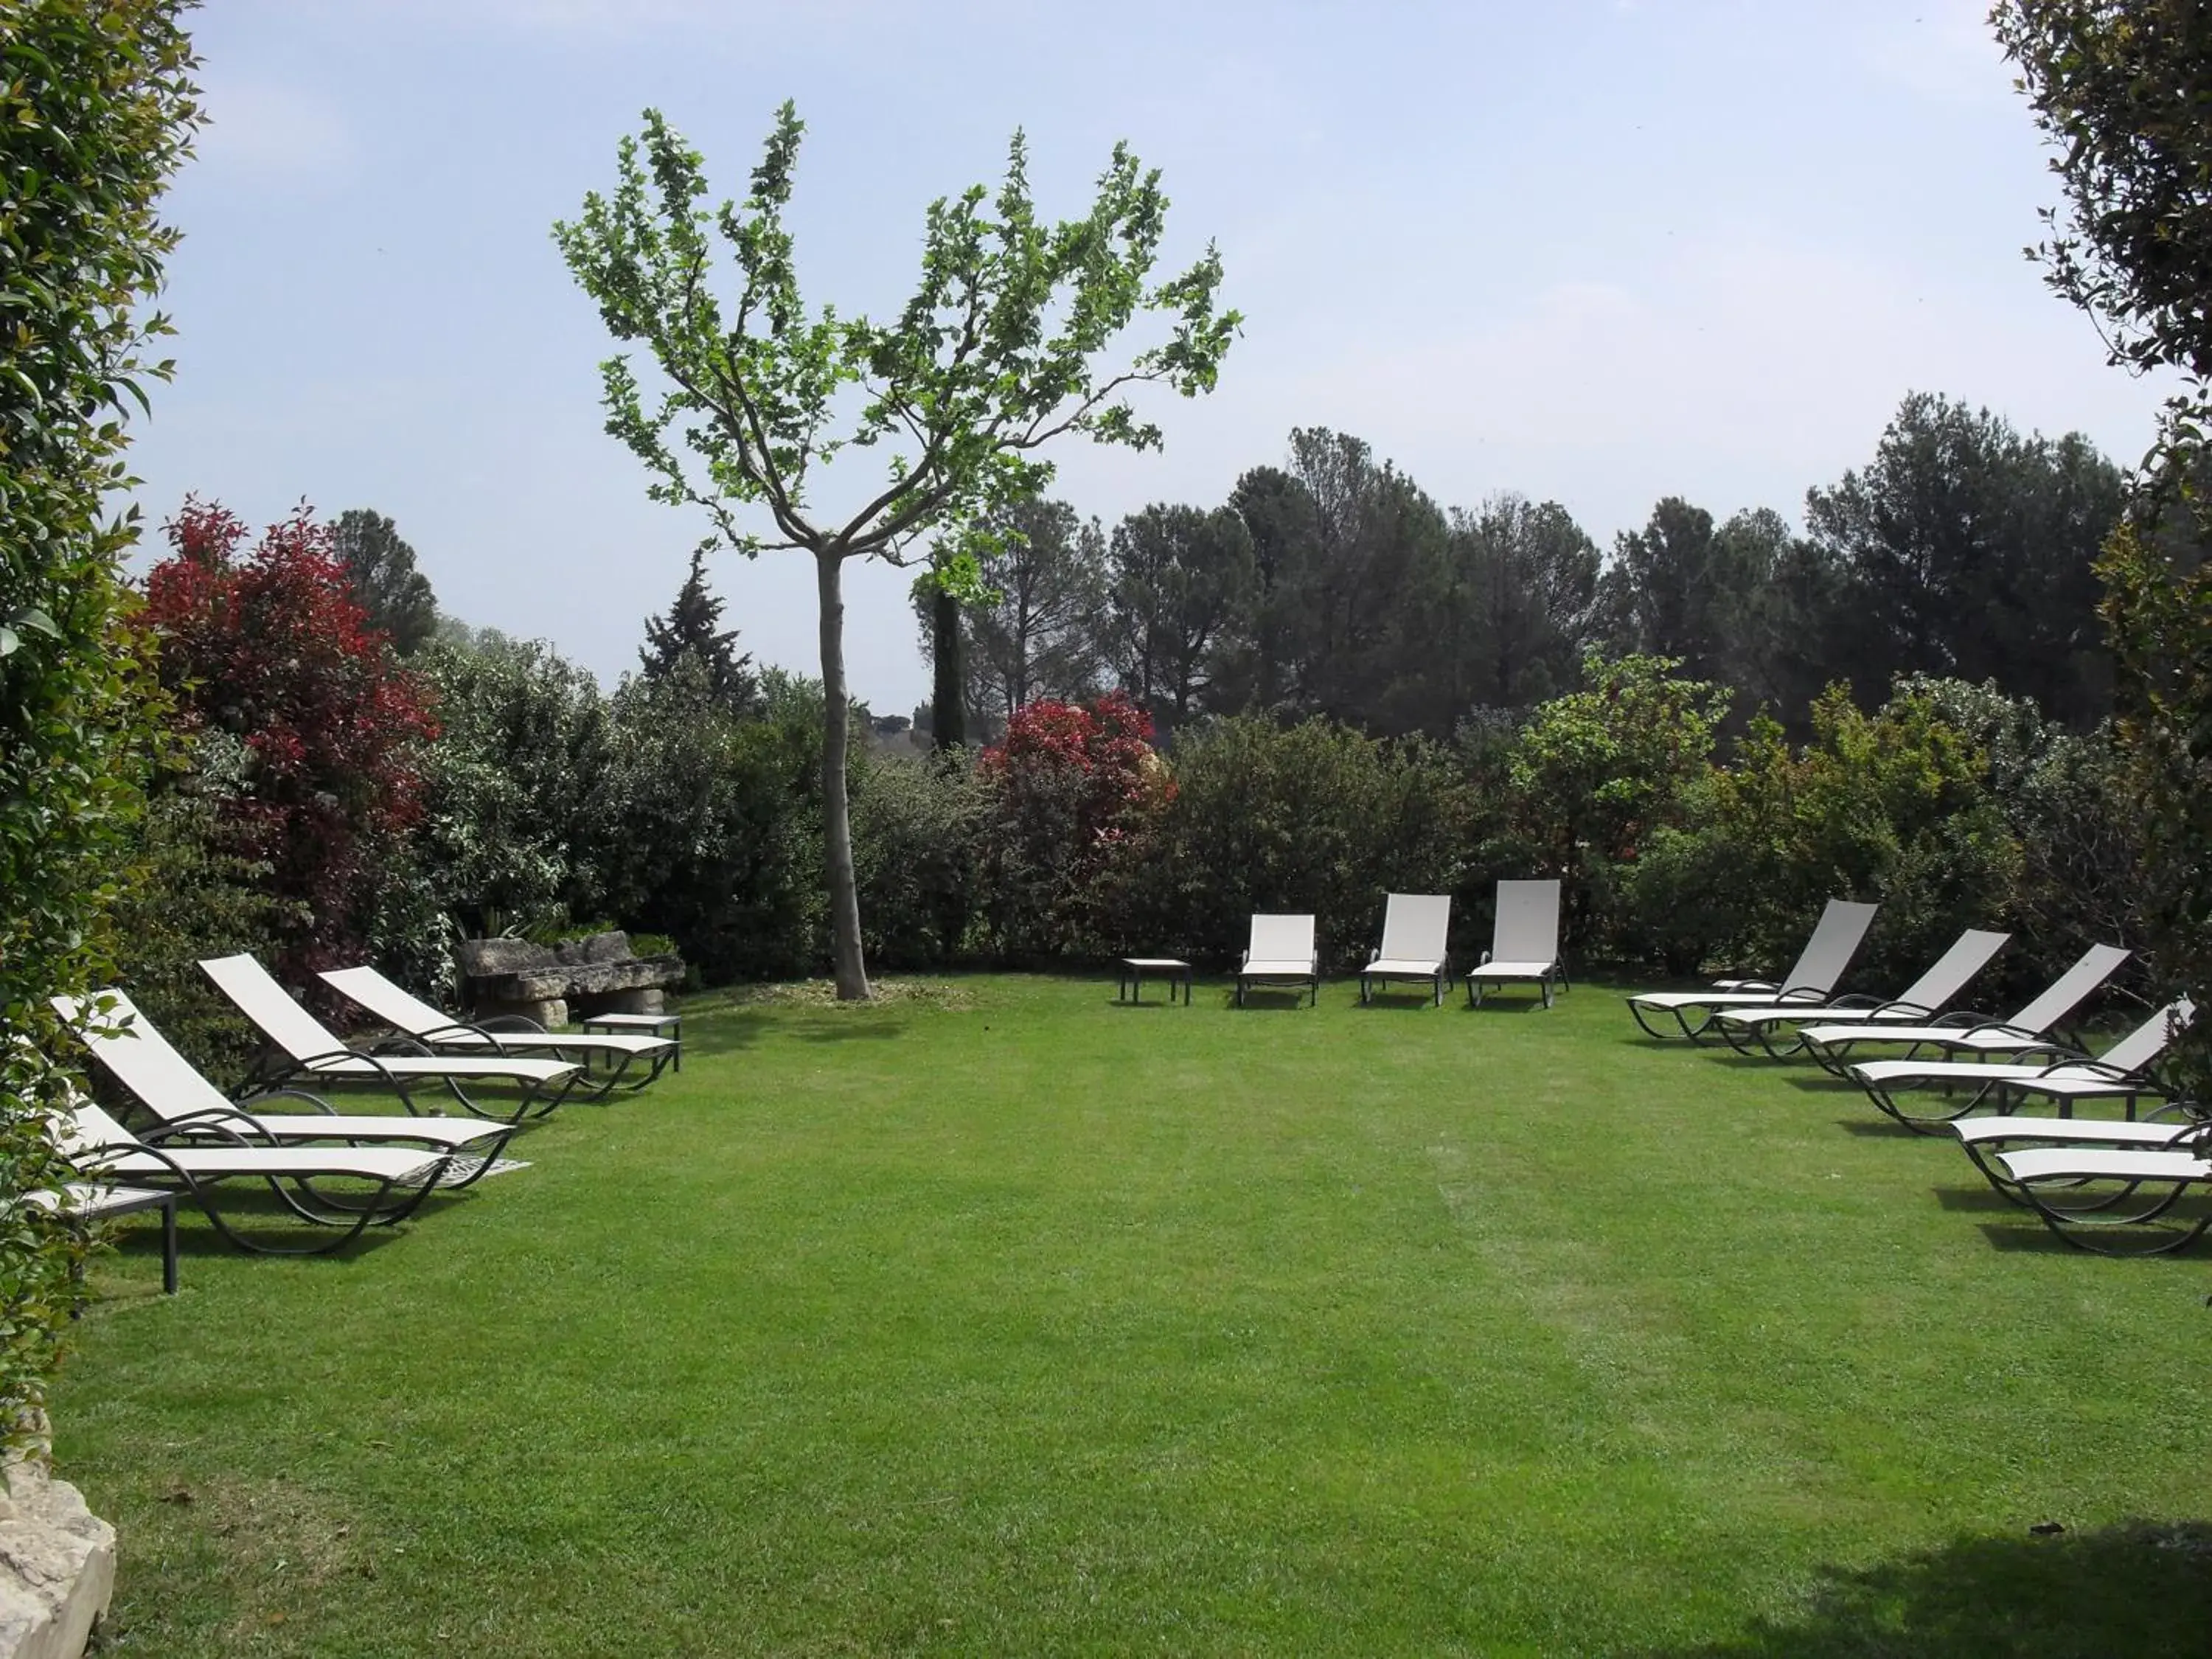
[[689, 627], [380, 568]]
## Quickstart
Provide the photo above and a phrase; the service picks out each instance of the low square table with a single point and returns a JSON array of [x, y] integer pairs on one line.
[[661, 1025], [1131, 985]]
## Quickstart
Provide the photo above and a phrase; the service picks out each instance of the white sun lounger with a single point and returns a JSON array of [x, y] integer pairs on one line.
[[1281, 952], [406, 1012], [300, 1045], [398, 1179], [172, 1089], [1524, 942], [1415, 926], [2112, 1201], [2116, 1074], [1832, 1042], [1922, 1000], [1835, 941]]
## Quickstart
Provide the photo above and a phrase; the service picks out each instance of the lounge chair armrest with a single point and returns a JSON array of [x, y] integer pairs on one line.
[[2028, 1040], [1858, 1001], [313, 1100], [1374, 955], [520, 1024], [2096, 1068], [1484, 962], [1905, 1010], [397, 1043], [1804, 993], [337, 1056], [1971, 1020], [227, 1123]]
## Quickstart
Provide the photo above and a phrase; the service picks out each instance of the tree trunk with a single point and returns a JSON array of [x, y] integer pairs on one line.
[[948, 711], [836, 817]]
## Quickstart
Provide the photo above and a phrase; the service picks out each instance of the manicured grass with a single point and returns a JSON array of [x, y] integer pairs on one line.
[[1005, 1320]]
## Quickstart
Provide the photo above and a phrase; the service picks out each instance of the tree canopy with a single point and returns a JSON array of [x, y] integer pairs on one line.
[[381, 568], [690, 628], [999, 351]]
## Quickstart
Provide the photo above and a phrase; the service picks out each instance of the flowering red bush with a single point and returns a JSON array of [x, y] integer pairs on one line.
[[269, 645], [1072, 783]]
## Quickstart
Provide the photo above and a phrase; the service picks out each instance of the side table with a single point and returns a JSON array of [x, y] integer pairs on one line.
[[661, 1025], [1130, 986]]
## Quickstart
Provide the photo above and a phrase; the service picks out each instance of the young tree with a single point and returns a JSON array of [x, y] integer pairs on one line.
[[385, 583], [997, 353], [689, 630]]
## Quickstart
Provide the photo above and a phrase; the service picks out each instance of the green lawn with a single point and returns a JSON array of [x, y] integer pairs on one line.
[[1002, 1319]]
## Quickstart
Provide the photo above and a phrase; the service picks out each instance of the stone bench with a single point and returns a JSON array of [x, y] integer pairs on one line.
[[548, 983]]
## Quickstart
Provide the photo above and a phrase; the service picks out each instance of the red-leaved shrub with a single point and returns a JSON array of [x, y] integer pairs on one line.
[[268, 644], [1071, 785]]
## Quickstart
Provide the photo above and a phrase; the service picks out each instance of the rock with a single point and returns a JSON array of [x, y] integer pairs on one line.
[[513, 977], [478, 958], [551, 1012], [593, 950], [57, 1566]]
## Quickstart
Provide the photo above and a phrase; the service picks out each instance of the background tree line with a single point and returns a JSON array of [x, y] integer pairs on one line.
[[1333, 585]]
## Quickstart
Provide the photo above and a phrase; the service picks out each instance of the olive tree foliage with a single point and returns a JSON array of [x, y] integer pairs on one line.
[[97, 109], [998, 352], [2120, 88]]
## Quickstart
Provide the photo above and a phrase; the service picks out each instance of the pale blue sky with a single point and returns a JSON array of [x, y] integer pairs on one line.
[[1599, 250]]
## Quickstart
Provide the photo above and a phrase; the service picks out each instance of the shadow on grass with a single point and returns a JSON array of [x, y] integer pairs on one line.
[[266, 1223], [845, 1027], [1984, 1200], [723, 1030], [1498, 1004], [1822, 1083], [1262, 999], [1883, 1128], [2140, 1588]]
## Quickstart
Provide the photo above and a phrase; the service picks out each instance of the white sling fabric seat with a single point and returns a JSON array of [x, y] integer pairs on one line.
[[172, 1089], [1415, 926], [1832, 1041], [1843, 927], [2117, 1074], [404, 1011], [1281, 950], [1524, 942], [309, 1048], [1924, 998]]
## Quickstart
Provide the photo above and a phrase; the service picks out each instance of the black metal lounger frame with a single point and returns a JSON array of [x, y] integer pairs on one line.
[[1998, 1091], [349, 1219], [2080, 1224], [1836, 1058], [589, 1085], [1782, 998], [235, 1124], [273, 1069], [1476, 986]]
